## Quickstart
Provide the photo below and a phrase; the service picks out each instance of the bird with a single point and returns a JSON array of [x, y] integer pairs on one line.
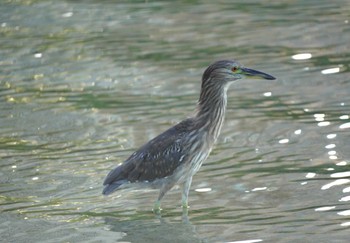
[[174, 156]]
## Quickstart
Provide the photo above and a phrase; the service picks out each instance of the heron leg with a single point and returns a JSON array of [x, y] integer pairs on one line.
[[164, 189], [185, 191]]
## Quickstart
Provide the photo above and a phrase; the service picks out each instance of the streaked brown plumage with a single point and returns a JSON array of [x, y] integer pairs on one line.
[[174, 156]]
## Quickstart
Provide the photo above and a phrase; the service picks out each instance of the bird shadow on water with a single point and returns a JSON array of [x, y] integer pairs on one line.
[[145, 226]]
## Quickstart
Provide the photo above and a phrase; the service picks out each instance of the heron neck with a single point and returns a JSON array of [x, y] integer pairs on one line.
[[211, 110]]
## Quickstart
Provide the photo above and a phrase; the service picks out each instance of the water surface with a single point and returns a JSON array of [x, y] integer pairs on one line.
[[85, 83]]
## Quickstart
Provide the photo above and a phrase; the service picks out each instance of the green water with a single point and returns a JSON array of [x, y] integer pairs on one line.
[[85, 83]]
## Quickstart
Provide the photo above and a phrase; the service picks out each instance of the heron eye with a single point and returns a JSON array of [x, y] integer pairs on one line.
[[234, 69]]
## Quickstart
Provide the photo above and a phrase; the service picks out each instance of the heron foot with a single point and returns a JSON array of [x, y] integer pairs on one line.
[[185, 205], [156, 208]]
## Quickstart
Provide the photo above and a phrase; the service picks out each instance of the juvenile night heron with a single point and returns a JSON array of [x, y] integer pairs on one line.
[[174, 156]]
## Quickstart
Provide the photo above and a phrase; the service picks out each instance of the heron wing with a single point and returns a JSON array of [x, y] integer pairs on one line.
[[156, 159]]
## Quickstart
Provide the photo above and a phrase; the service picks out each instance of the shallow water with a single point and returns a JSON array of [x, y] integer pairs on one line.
[[85, 83]]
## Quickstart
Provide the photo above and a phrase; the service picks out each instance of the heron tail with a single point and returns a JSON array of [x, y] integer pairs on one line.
[[109, 188]]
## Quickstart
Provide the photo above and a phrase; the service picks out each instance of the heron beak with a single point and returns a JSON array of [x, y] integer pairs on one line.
[[254, 74]]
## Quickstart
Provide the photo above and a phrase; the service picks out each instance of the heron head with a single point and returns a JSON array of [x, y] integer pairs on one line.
[[225, 71]]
